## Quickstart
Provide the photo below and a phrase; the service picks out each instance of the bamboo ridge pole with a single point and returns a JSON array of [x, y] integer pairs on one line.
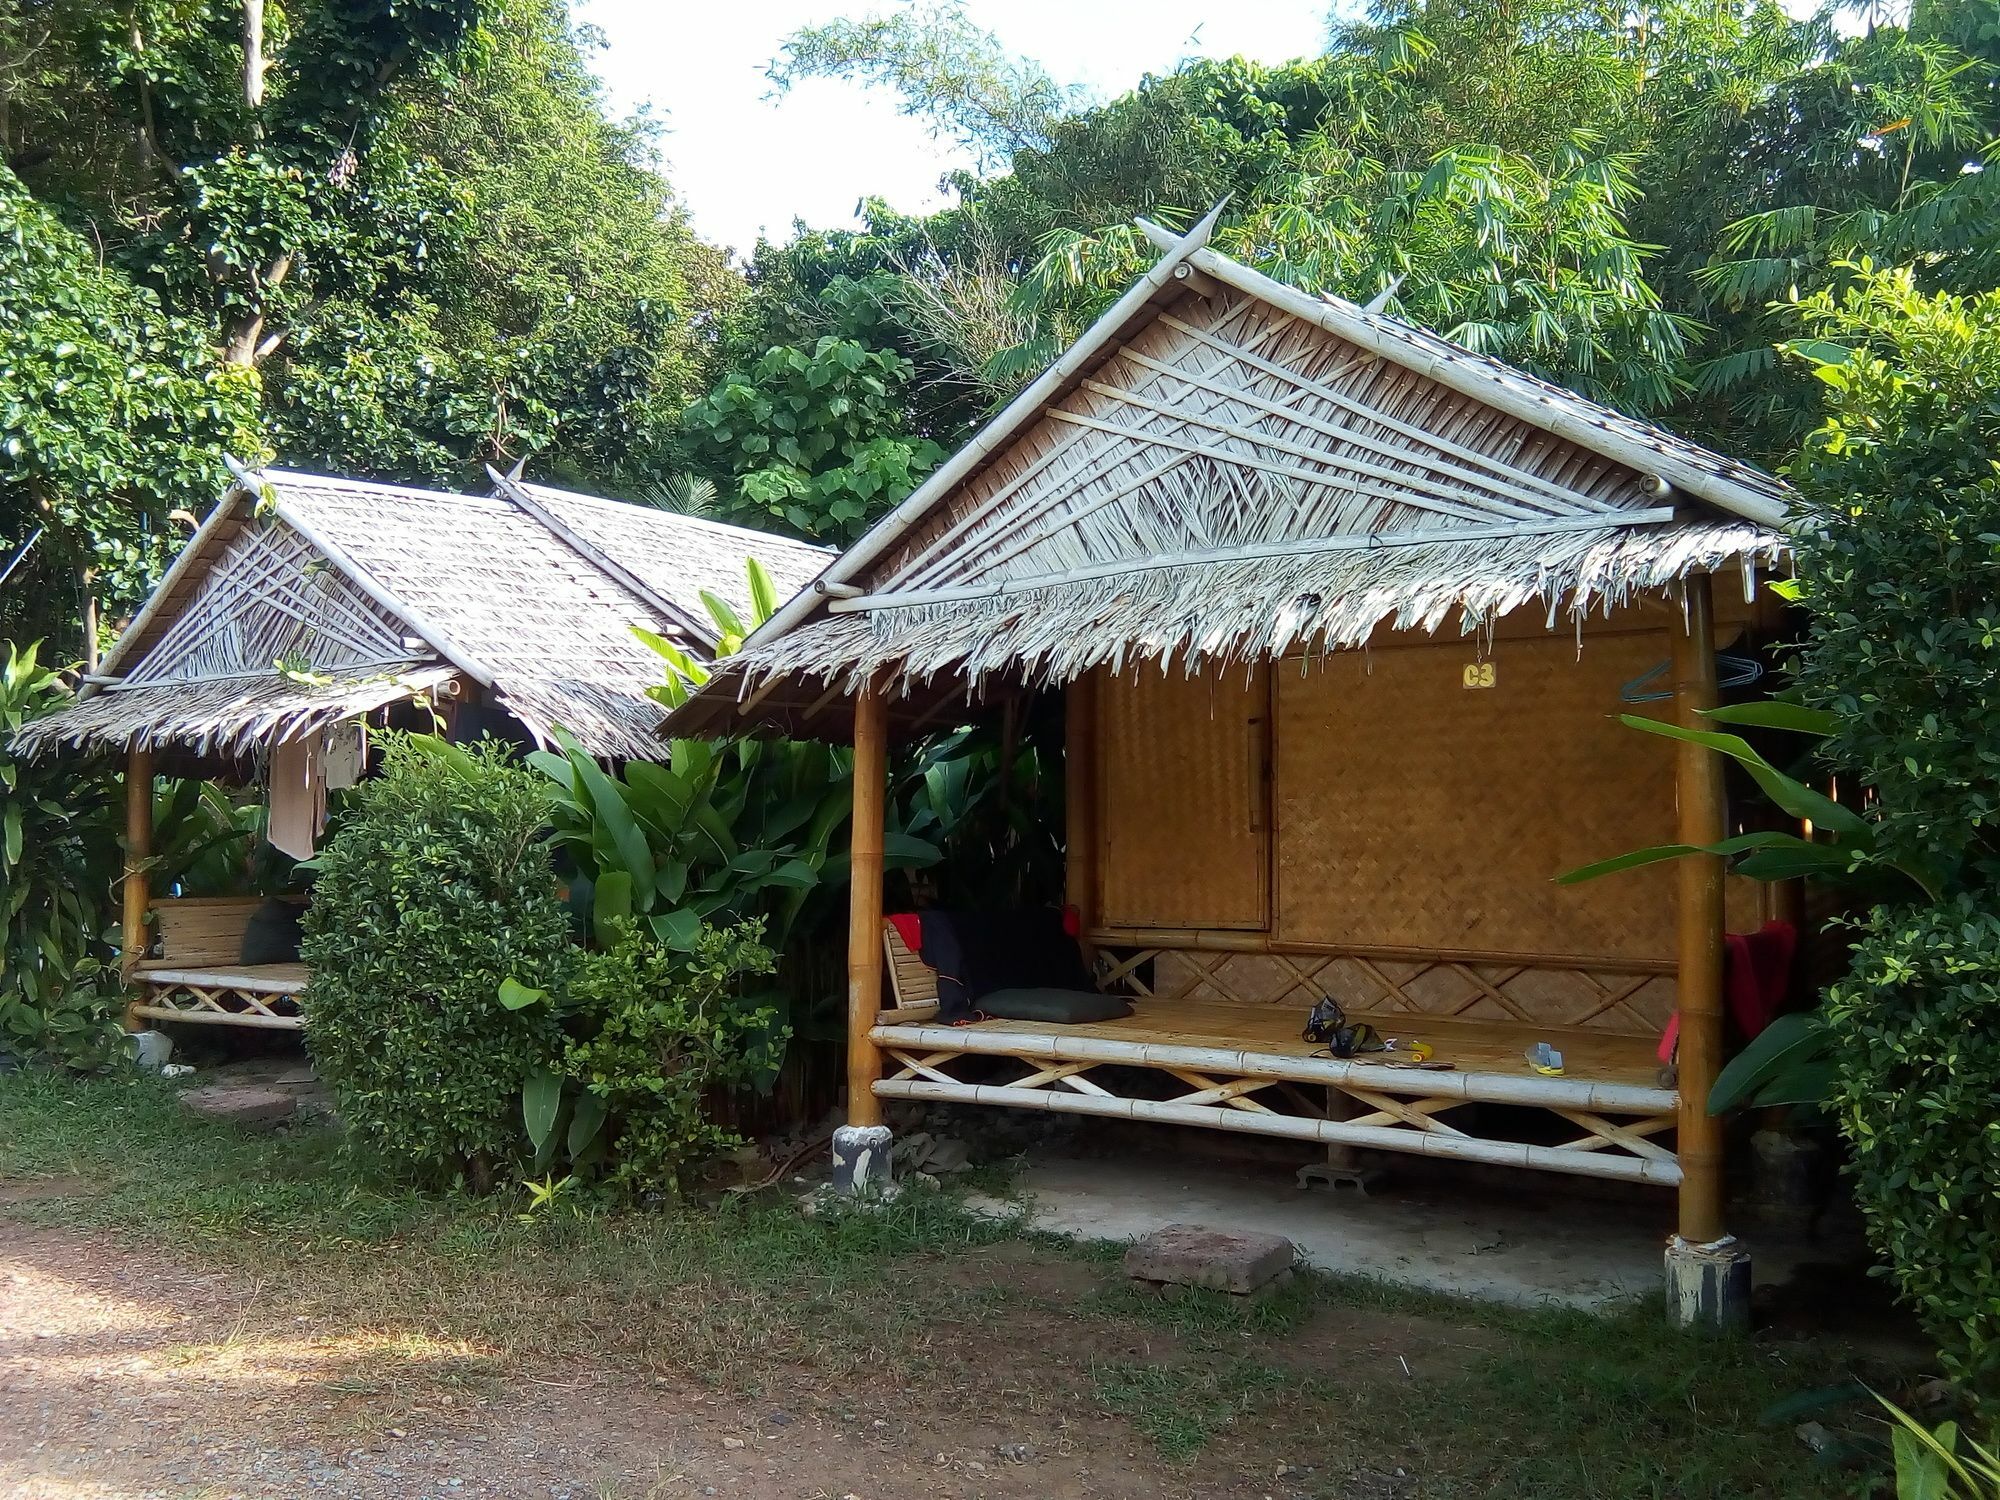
[[1702, 818], [138, 850], [864, 905]]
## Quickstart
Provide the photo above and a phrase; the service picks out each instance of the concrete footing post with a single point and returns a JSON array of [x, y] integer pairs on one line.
[[1708, 1286], [861, 1160]]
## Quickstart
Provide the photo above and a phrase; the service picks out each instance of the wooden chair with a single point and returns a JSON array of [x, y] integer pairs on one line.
[[912, 982], [200, 976]]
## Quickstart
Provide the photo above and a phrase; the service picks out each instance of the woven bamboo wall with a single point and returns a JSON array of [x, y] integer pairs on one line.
[[1414, 810], [1182, 836], [1614, 1002]]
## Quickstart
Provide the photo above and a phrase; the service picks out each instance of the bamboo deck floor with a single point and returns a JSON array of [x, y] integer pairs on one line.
[[259, 979], [1469, 1045], [1245, 1068]]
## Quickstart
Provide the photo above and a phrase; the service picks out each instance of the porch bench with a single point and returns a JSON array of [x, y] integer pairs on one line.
[[199, 975], [1244, 1067]]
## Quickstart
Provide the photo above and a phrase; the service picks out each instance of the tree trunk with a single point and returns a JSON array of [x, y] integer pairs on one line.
[[253, 57], [87, 578], [147, 130], [243, 341]]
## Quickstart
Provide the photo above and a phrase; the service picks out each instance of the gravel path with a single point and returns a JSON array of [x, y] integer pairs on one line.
[[125, 1375]]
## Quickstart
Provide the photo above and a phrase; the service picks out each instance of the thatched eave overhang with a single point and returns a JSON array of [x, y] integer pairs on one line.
[[1182, 617], [226, 717]]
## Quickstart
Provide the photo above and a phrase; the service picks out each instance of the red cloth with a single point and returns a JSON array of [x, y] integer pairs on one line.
[[1756, 975], [909, 927]]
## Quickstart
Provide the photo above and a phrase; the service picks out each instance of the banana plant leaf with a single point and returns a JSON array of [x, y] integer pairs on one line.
[[1788, 1062], [1775, 713], [679, 929], [1657, 853], [1794, 796], [611, 903], [614, 817], [541, 1100]]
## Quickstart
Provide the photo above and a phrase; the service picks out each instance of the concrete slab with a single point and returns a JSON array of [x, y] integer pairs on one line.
[[242, 1105], [1222, 1260], [1566, 1252]]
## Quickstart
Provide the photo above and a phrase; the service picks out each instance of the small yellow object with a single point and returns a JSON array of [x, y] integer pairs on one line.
[[1421, 1051], [1478, 674]]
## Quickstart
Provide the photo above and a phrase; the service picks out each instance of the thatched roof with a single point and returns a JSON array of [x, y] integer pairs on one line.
[[1223, 467], [304, 599]]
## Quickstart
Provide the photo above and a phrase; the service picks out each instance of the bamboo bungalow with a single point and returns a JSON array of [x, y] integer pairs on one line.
[[1344, 615], [305, 605]]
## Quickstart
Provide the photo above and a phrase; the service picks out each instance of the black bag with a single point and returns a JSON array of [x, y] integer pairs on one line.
[[272, 934], [977, 953]]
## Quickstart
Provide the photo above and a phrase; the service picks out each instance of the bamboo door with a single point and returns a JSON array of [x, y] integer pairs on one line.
[[1183, 787]]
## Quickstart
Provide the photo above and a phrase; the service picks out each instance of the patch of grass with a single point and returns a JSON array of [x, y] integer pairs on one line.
[[1540, 1403], [751, 1296], [1182, 1407]]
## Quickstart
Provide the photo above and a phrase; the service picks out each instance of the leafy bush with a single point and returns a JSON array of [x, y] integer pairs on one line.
[[58, 859], [814, 439], [1899, 572], [436, 887], [662, 1030], [1917, 1070], [1899, 562]]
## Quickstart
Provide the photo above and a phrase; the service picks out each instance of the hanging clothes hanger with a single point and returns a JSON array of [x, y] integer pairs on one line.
[[1731, 671]]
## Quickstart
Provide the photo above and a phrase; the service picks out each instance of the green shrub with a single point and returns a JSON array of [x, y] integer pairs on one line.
[[1917, 1065], [1901, 564], [58, 859], [1900, 567], [661, 1030], [436, 887]]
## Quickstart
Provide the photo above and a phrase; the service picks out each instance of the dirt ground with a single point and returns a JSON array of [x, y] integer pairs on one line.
[[126, 1374]]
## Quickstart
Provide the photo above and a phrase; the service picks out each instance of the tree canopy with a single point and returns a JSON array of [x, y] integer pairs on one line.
[[1628, 202], [395, 241], [406, 241]]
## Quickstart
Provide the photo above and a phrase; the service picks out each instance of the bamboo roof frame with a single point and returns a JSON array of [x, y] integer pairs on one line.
[[304, 599], [1225, 467]]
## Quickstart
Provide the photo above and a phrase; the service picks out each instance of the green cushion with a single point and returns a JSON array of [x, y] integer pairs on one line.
[[1068, 1007]]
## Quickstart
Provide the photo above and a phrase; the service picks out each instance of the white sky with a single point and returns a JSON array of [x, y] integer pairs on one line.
[[744, 162]]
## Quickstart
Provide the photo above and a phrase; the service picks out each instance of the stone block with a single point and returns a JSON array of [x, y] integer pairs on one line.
[[1222, 1260], [248, 1108], [1708, 1286]]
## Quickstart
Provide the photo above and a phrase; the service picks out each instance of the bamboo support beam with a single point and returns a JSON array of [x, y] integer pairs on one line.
[[1419, 1143], [1702, 819], [1221, 941], [138, 852], [864, 905], [1080, 802], [216, 1017]]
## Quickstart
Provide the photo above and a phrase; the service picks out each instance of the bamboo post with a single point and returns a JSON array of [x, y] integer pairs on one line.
[[864, 905], [138, 850], [1080, 804], [1699, 793]]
